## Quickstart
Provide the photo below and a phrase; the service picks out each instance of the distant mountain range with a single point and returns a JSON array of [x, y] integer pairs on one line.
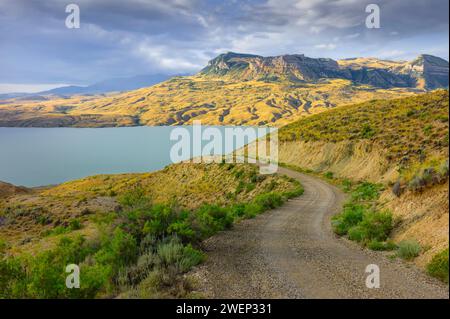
[[112, 85], [233, 89], [425, 72]]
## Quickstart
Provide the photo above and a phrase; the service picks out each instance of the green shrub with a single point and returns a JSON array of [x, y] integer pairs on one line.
[[367, 131], [438, 266], [357, 233], [183, 229], [361, 224], [347, 185], [408, 249], [133, 198], [172, 252], [378, 245], [75, 224], [366, 191], [238, 210], [43, 275], [377, 225], [351, 215], [251, 210], [328, 175], [158, 219], [58, 230], [210, 219], [118, 250], [269, 200]]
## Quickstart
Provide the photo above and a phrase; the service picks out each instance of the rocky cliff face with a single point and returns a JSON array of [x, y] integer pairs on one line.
[[433, 71], [425, 72]]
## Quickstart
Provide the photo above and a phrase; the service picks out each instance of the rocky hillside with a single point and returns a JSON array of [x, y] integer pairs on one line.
[[238, 89], [425, 72]]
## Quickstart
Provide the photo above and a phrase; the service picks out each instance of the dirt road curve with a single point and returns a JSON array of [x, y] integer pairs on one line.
[[291, 252]]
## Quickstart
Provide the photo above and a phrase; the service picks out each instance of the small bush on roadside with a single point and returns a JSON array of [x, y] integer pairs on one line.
[[328, 175], [357, 233], [378, 245], [347, 185], [351, 215], [438, 266], [362, 224], [408, 249], [251, 210], [269, 200], [377, 225]]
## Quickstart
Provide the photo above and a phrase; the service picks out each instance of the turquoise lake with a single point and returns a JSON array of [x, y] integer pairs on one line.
[[46, 156]]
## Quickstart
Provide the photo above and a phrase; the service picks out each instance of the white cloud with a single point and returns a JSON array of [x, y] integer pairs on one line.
[[326, 46], [27, 88], [165, 58]]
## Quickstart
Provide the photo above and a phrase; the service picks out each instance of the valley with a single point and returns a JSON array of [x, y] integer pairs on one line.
[[364, 147], [237, 89]]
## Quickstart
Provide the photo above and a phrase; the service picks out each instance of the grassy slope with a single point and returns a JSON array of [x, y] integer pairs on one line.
[[402, 127], [183, 99], [27, 219]]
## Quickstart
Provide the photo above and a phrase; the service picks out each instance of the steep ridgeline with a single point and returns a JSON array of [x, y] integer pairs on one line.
[[425, 72]]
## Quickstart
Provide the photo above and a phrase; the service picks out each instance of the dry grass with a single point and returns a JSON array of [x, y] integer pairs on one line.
[[184, 99]]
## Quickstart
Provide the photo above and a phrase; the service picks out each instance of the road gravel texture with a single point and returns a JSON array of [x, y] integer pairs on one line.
[[291, 252]]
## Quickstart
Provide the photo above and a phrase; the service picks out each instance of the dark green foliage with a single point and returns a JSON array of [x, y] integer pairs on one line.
[[328, 175], [269, 200], [380, 245], [360, 221], [351, 216], [367, 131], [143, 241]]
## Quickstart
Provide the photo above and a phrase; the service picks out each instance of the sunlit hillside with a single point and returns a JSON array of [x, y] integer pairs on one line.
[[184, 99]]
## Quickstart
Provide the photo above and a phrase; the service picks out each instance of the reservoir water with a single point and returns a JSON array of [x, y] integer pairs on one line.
[[45, 156]]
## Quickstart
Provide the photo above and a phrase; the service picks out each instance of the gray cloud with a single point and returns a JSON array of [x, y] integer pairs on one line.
[[122, 38]]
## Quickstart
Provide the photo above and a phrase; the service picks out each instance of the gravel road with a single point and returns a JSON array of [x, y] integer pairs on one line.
[[291, 252]]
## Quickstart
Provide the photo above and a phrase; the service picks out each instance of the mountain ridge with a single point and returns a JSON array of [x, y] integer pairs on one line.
[[237, 89], [425, 72]]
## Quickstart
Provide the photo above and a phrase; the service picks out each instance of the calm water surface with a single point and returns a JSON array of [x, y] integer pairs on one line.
[[45, 156]]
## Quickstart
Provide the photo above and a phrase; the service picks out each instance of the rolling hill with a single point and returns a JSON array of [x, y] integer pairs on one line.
[[238, 89]]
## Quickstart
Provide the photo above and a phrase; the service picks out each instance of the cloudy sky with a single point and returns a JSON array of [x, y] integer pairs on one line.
[[120, 38]]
